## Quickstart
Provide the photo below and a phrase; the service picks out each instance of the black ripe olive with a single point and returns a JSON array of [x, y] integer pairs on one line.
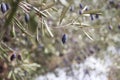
[[3, 7], [7, 6], [27, 17], [110, 27], [12, 57], [71, 8], [64, 39], [19, 57], [91, 16], [80, 12], [81, 6], [96, 16], [111, 2]]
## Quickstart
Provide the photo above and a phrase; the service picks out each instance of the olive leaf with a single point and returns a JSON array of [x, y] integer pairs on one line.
[[13, 33], [49, 5], [48, 29], [64, 2], [95, 11], [20, 26], [88, 35], [32, 23], [64, 11]]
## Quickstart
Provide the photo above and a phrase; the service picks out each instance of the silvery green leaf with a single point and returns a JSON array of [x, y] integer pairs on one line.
[[64, 11], [64, 2], [48, 29], [10, 74]]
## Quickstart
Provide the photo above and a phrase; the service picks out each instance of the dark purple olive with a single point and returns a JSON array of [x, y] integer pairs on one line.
[[3, 7], [96, 16], [64, 39], [7, 6], [12, 57], [91, 51], [86, 8], [111, 2], [61, 54], [110, 27], [19, 57], [91, 17], [27, 17], [81, 6], [71, 8], [80, 12]]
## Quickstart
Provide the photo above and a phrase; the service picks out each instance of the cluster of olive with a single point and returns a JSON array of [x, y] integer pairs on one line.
[[114, 4], [92, 16], [13, 56], [82, 9], [6, 6], [64, 37], [27, 17]]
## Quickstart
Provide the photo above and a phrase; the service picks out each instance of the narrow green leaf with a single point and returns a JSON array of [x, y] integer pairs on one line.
[[13, 31], [22, 28], [98, 11], [14, 76], [32, 8], [42, 28], [40, 13], [88, 35], [64, 2], [44, 1], [47, 6], [32, 23], [54, 9], [48, 29], [64, 11], [10, 16], [13, 11], [10, 74]]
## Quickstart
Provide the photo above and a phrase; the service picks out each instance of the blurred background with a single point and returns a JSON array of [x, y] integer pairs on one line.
[[59, 39]]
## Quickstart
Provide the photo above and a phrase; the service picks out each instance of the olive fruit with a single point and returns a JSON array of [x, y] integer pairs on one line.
[[71, 8], [91, 16], [111, 2], [12, 57], [81, 6], [19, 57], [80, 12], [64, 39], [96, 16], [7, 6], [110, 27], [27, 17], [3, 7]]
